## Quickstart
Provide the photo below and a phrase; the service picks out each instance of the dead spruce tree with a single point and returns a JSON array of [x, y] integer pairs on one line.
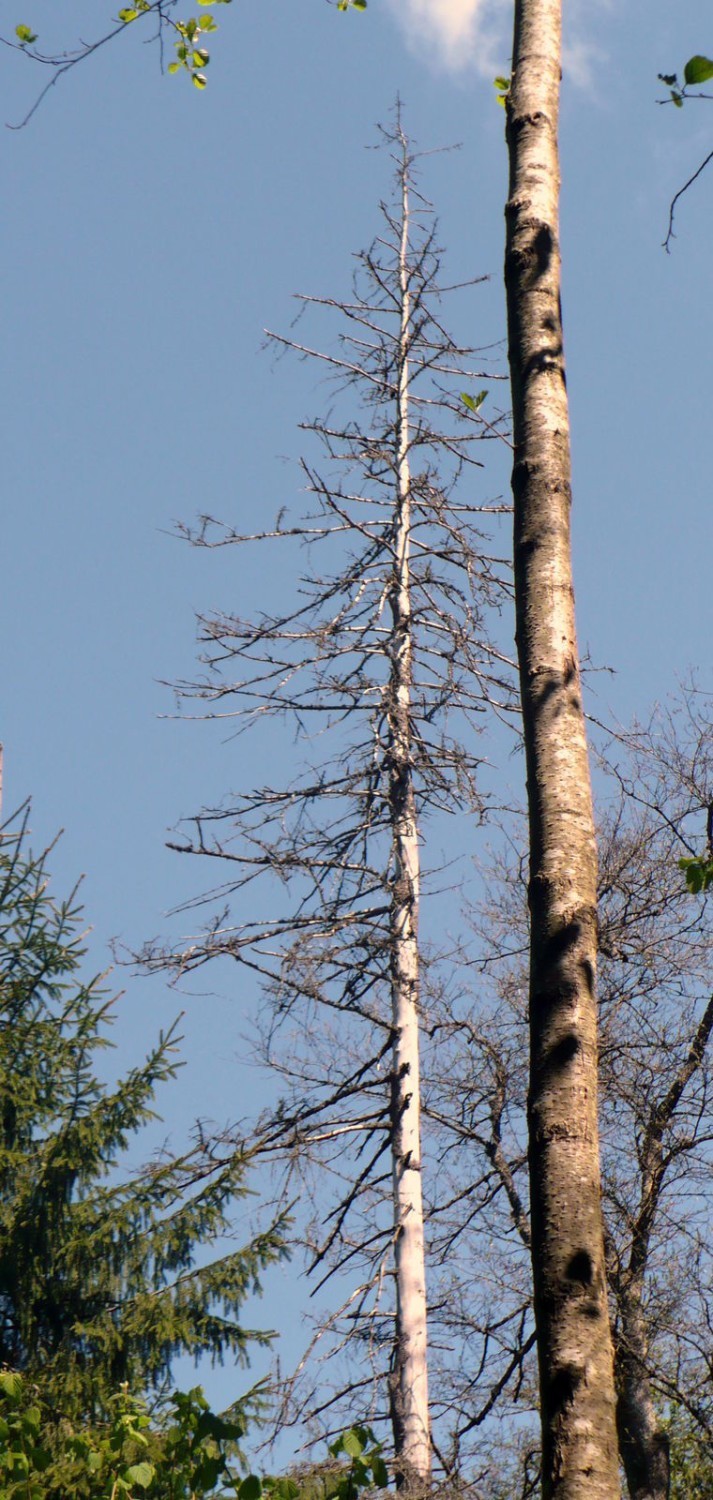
[[655, 984], [381, 670], [574, 1343]]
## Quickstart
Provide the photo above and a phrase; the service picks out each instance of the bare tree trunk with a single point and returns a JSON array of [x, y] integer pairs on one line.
[[643, 1442], [377, 664], [409, 1374], [574, 1340]]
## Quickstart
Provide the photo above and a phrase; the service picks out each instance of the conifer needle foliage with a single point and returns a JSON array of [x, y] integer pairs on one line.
[[106, 1274]]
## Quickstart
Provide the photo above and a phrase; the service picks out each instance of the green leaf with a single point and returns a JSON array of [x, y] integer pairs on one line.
[[11, 1384], [199, 80], [678, 101], [174, 67], [380, 1473], [698, 873], [201, 58], [698, 70], [352, 1443], [25, 35], [141, 1474], [128, 14], [251, 1488], [503, 84], [284, 1488], [41, 1459], [473, 403]]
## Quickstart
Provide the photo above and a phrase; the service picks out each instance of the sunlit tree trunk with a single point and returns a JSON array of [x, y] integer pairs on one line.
[[574, 1340], [409, 1375]]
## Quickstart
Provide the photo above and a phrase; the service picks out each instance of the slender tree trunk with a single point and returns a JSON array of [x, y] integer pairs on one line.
[[574, 1340], [409, 1375], [643, 1442]]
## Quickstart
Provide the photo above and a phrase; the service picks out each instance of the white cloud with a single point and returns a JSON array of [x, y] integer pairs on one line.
[[462, 35], [582, 62], [584, 54], [459, 34]]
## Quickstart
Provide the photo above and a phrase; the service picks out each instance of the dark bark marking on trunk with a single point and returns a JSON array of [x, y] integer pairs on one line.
[[563, 1052], [580, 1268]]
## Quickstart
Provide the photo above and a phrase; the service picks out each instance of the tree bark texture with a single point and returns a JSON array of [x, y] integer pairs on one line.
[[570, 1295], [409, 1374]]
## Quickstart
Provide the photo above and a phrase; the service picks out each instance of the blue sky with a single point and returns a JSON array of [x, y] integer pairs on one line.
[[150, 233]]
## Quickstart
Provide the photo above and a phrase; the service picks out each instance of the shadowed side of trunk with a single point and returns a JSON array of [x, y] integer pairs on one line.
[[643, 1442]]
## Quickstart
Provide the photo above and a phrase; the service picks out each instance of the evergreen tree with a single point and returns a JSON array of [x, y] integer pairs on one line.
[[99, 1283]]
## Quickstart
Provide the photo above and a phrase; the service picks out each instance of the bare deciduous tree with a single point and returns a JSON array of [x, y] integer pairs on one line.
[[655, 982], [382, 671]]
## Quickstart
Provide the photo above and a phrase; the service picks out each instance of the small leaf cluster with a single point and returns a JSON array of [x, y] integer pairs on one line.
[[690, 1456], [40, 1459], [698, 874], [191, 56], [698, 70], [473, 403], [183, 1454], [355, 1464], [186, 1452], [22, 1449], [198, 1447], [132, 12], [351, 4], [502, 85], [366, 1469]]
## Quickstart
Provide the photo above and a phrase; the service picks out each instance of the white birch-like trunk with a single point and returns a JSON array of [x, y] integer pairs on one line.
[[409, 1375], [570, 1294]]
